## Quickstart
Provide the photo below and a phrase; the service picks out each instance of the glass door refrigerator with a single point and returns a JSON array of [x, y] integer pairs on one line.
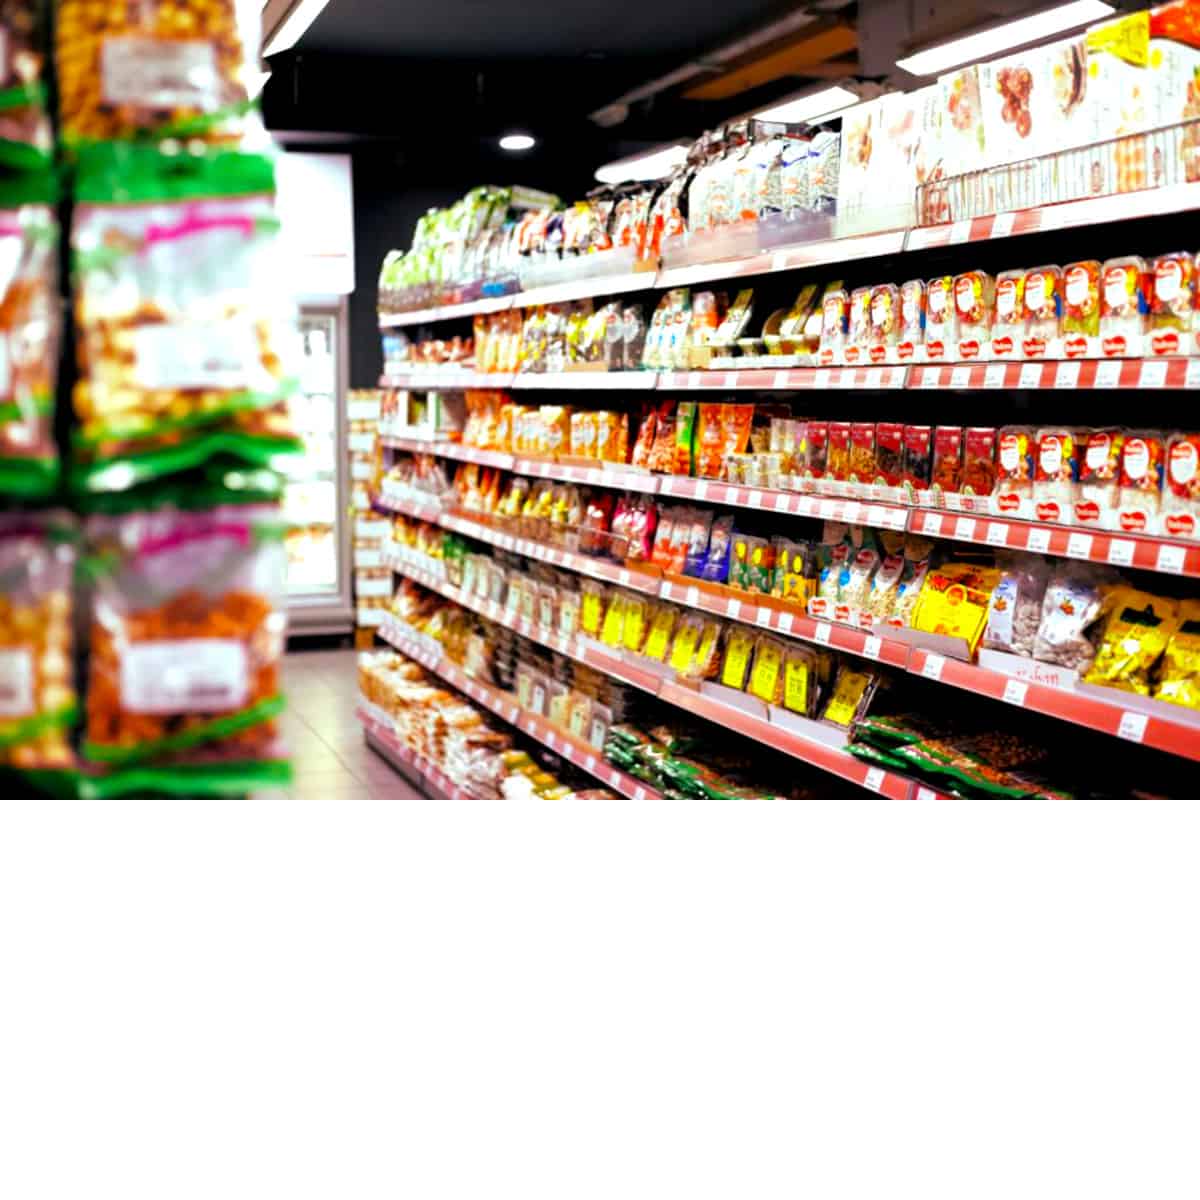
[[316, 498]]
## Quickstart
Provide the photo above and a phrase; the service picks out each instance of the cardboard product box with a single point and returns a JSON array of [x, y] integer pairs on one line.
[[1175, 62], [1121, 91], [963, 142]]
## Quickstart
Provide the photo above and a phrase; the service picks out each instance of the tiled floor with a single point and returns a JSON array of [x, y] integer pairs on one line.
[[331, 761]]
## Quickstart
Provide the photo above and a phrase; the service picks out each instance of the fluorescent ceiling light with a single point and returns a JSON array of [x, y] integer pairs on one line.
[[517, 141], [989, 42], [655, 164], [811, 107], [293, 27]]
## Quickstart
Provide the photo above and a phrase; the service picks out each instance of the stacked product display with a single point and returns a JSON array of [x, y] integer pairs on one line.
[[160, 539]]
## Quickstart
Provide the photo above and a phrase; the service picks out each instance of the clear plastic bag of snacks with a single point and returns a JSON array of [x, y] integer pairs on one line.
[[29, 335], [1140, 481], [979, 461], [858, 326], [947, 459], [26, 139], [187, 632], [941, 318], [1124, 311], [837, 464], [1137, 628], [1096, 501], [1081, 306], [1056, 474], [1042, 306], [975, 304], [185, 336], [835, 318], [1013, 496], [163, 67], [1179, 675], [1008, 328], [37, 692], [1015, 610], [885, 321], [912, 319], [1181, 486], [1172, 295], [1073, 601]]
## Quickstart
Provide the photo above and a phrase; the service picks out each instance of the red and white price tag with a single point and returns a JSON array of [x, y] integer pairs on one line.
[[700, 490], [763, 617], [997, 534], [873, 378], [848, 378], [875, 515], [1120, 552], [924, 793], [734, 608], [693, 379], [1108, 373], [1133, 726], [960, 377], [780, 501], [639, 792], [1066, 375], [931, 377], [932, 668], [1039, 540], [692, 597], [1191, 374], [589, 763], [781, 380], [551, 741], [1079, 545], [1154, 373], [1002, 224], [852, 512], [1031, 375], [993, 375], [821, 379], [960, 232], [1014, 692], [1170, 558], [822, 633], [873, 780], [964, 529], [623, 577], [785, 623], [932, 524], [872, 647], [731, 379]]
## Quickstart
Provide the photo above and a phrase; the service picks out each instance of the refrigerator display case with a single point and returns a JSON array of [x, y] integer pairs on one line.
[[316, 498]]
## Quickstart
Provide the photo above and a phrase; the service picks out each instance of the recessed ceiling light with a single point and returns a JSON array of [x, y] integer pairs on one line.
[[988, 42], [517, 141], [810, 107]]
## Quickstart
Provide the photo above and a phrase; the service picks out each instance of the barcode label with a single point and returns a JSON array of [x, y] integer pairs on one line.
[[1132, 727], [933, 666], [197, 675], [822, 633], [874, 779]]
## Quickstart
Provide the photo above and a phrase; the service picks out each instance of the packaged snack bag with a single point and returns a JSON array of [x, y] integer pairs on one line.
[[1056, 474], [1124, 310], [1136, 630], [955, 600], [838, 461], [592, 596], [1081, 307], [941, 318], [817, 451], [1172, 295], [835, 321], [858, 327], [854, 584], [706, 660], [694, 548], [1073, 601], [735, 666], [974, 303], [37, 691], [633, 337], [1008, 328], [884, 591], [801, 680], [688, 630], [720, 544], [1096, 504], [1015, 611], [947, 460], [647, 433], [979, 461], [912, 320], [862, 466], [851, 695], [1181, 486], [26, 139], [1140, 481], [1042, 308], [767, 675], [1013, 494], [1179, 675], [662, 629], [187, 637], [918, 462], [889, 454], [159, 69], [183, 332], [29, 334], [885, 322]]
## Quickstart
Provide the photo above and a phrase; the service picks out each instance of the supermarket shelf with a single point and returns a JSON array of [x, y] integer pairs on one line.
[[1110, 716], [586, 381], [788, 379], [1167, 373], [503, 705], [627, 479], [444, 381], [382, 738], [452, 450], [585, 288], [446, 312], [1071, 214]]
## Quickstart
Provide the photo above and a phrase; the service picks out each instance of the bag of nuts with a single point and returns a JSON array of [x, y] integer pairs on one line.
[[184, 331], [166, 67]]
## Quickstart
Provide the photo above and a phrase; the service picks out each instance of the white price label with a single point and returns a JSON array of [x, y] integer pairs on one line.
[[779, 261], [763, 617], [932, 524], [780, 501], [924, 793], [785, 623], [731, 379], [1066, 375], [1170, 558], [852, 512], [733, 609], [960, 232], [692, 597], [873, 378], [1079, 545], [932, 668], [589, 763], [1133, 726], [964, 529], [1031, 375], [848, 378], [1039, 541], [1014, 692], [781, 380], [821, 379], [1108, 373], [551, 740], [873, 780], [623, 576], [993, 375], [822, 633], [1154, 373], [639, 792], [872, 647], [701, 489], [1120, 552], [960, 377], [693, 380], [997, 534], [875, 515], [1002, 224], [931, 377], [1191, 375]]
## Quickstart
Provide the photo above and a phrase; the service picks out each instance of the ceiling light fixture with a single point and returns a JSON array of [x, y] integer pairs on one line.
[[810, 107], [653, 164], [294, 26], [515, 142], [989, 42]]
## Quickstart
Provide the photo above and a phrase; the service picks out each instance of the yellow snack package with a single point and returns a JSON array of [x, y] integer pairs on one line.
[[800, 682], [1179, 679], [637, 613], [736, 664], [1136, 632], [851, 694], [707, 657], [955, 600], [613, 627], [683, 648], [591, 609], [658, 640], [767, 675]]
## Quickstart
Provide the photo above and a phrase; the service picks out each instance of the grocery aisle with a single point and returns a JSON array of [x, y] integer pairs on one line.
[[330, 758]]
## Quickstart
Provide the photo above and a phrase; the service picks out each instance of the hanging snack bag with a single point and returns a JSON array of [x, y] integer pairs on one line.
[[183, 330], [29, 335], [858, 327], [1179, 674], [1081, 308], [162, 69], [947, 461], [1096, 500], [187, 639], [835, 323], [1042, 309], [941, 319], [1124, 309], [910, 346], [975, 304], [1140, 481], [1172, 295], [1008, 329], [1181, 486], [37, 692], [1013, 495], [26, 139], [1136, 630], [918, 463], [1056, 474]]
